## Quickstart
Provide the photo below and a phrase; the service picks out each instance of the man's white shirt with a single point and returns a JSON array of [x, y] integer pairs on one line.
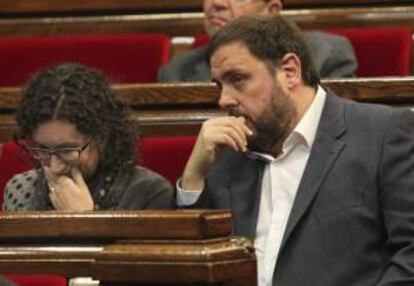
[[280, 183]]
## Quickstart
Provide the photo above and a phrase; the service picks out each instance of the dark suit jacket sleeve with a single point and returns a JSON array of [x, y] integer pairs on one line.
[[147, 190], [190, 66], [397, 199], [215, 194]]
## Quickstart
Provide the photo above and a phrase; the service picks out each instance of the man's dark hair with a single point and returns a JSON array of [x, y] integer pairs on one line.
[[81, 96], [269, 39]]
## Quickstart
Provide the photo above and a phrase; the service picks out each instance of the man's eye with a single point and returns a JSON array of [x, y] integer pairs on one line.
[[237, 80]]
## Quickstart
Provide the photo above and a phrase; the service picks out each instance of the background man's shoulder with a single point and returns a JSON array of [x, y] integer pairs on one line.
[[189, 66], [333, 55]]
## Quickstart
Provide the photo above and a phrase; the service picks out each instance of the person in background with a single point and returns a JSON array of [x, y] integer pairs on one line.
[[333, 55], [324, 186], [83, 142]]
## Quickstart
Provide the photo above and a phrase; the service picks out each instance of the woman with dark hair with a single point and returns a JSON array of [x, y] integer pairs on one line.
[[84, 145]]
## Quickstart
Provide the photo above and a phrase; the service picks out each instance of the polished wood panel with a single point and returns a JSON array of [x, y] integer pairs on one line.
[[343, 3], [128, 247], [190, 24], [228, 261], [180, 109], [59, 6], [133, 6], [147, 96], [188, 224], [184, 24], [398, 91], [324, 18], [151, 123]]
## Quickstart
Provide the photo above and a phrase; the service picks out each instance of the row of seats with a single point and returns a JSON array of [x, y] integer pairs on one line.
[[135, 58], [379, 51], [125, 58]]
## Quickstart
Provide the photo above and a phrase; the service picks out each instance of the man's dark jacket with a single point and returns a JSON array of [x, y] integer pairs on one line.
[[352, 221]]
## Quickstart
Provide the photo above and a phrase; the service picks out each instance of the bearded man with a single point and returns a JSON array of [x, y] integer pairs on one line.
[[323, 186]]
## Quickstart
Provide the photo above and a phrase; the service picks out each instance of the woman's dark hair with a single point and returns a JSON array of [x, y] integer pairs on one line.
[[269, 38], [81, 96]]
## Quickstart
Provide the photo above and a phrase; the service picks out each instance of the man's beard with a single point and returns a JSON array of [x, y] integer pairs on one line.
[[272, 127]]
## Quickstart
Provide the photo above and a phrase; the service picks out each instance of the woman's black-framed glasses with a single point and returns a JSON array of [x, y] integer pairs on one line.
[[69, 155]]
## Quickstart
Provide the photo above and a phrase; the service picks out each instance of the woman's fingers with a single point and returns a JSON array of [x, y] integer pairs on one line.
[[70, 193], [78, 178]]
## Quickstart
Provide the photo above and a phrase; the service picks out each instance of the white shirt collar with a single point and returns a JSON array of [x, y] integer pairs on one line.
[[305, 130], [308, 124]]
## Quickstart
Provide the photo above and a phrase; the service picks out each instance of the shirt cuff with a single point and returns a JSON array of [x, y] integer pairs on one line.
[[184, 197]]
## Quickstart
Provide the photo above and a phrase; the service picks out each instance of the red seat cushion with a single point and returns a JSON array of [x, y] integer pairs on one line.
[[38, 280], [380, 51], [11, 163], [125, 58], [200, 40], [167, 155]]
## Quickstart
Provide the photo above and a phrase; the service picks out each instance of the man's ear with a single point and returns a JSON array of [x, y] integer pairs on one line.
[[291, 68], [274, 6]]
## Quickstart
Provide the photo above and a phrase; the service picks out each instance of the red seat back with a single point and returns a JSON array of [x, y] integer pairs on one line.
[[380, 51], [167, 155], [200, 40], [125, 58], [12, 162], [38, 280]]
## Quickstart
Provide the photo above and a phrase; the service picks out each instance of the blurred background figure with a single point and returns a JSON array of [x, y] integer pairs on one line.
[[333, 55]]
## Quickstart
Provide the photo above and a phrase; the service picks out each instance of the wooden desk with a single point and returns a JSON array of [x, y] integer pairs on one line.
[[190, 24], [41, 7], [179, 109], [190, 246]]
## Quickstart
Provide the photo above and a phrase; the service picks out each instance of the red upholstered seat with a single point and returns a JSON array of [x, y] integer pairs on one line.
[[38, 280], [166, 155], [12, 162], [200, 40], [125, 58], [379, 51]]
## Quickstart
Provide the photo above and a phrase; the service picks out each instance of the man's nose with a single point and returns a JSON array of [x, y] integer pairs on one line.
[[227, 99]]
